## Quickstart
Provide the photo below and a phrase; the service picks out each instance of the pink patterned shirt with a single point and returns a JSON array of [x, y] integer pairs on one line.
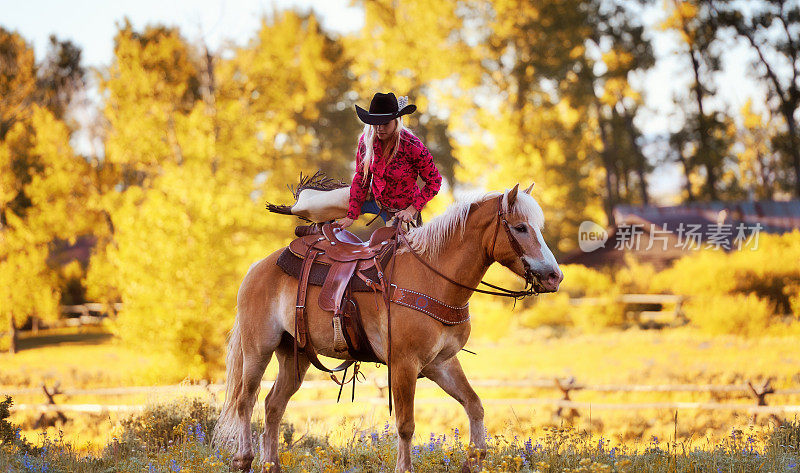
[[395, 185]]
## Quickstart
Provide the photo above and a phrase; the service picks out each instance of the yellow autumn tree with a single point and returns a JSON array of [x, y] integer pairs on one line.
[[51, 197], [760, 168], [527, 124], [224, 133], [420, 49]]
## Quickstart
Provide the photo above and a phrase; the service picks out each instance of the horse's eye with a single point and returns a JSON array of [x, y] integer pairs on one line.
[[521, 228]]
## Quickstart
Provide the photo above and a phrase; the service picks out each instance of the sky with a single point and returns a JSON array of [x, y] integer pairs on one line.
[[91, 24]]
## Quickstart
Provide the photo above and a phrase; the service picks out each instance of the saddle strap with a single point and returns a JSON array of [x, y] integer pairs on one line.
[[446, 314], [386, 285], [311, 354], [339, 342], [354, 333], [301, 324]]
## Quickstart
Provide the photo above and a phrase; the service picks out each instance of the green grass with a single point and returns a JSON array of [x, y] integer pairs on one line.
[[82, 357], [73, 337]]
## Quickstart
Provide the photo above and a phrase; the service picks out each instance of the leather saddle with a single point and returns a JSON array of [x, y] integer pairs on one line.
[[341, 264]]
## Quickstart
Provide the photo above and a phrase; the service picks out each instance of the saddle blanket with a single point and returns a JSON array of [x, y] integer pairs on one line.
[[292, 264]]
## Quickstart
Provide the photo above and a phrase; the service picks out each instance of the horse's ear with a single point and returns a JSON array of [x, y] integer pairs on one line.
[[529, 189], [511, 197]]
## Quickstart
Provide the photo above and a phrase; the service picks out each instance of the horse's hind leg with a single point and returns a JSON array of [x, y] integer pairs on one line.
[[253, 366], [285, 386], [450, 376]]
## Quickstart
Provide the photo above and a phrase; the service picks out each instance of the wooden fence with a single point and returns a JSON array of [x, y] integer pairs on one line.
[[91, 313], [756, 393], [670, 313], [638, 308]]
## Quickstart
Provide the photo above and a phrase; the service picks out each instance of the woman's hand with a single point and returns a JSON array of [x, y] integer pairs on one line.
[[407, 215], [345, 222]]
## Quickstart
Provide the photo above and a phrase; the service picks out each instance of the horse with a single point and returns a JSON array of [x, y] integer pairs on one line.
[[461, 243]]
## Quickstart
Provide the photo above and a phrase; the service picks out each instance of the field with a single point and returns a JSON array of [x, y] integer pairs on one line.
[[501, 370], [174, 438]]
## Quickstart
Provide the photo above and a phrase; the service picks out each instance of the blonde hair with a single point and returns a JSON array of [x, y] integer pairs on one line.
[[368, 135]]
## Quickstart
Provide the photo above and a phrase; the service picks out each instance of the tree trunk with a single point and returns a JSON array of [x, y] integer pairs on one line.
[[611, 196], [687, 172], [640, 159], [12, 347], [705, 149], [794, 148]]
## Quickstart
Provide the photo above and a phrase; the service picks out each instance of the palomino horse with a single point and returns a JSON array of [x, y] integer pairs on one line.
[[461, 243]]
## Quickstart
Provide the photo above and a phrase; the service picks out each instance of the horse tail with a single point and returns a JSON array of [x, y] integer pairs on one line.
[[226, 431]]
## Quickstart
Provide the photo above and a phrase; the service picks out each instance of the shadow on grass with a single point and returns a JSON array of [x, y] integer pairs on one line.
[[41, 340]]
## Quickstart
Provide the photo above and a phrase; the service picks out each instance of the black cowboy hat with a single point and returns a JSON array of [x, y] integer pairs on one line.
[[383, 109]]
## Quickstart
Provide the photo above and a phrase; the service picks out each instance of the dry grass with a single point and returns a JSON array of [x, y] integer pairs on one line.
[[676, 356]]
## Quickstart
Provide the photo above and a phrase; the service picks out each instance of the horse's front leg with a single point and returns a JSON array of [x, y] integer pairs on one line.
[[450, 376], [404, 384]]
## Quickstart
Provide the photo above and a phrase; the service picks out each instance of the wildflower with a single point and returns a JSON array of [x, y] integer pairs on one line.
[[175, 467], [199, 434]]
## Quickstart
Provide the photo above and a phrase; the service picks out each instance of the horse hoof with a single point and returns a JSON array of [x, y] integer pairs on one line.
[[242, 463]]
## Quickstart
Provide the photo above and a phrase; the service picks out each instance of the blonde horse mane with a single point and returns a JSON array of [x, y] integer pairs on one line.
[[430, 238]]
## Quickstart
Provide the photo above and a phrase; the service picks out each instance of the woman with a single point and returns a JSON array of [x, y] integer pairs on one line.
[[388, 160]]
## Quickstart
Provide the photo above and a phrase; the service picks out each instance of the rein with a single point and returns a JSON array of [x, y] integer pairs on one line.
[[530, 288]]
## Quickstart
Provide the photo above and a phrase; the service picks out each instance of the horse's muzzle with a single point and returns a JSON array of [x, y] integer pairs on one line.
[[544, 281]]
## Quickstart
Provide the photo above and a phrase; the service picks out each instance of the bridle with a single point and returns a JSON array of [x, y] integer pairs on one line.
[[532, 285]]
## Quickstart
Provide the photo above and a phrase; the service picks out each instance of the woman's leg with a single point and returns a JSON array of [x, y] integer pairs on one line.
[[371, 207]]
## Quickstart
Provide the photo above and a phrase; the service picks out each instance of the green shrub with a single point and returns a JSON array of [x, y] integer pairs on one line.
[[609, 312], [552, 310], [730, 314], [166, 424], [580, 281], [765, 272], [9, 433], [784, 439]]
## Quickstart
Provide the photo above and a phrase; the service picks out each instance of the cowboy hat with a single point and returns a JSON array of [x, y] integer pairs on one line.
[[383, 109]]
